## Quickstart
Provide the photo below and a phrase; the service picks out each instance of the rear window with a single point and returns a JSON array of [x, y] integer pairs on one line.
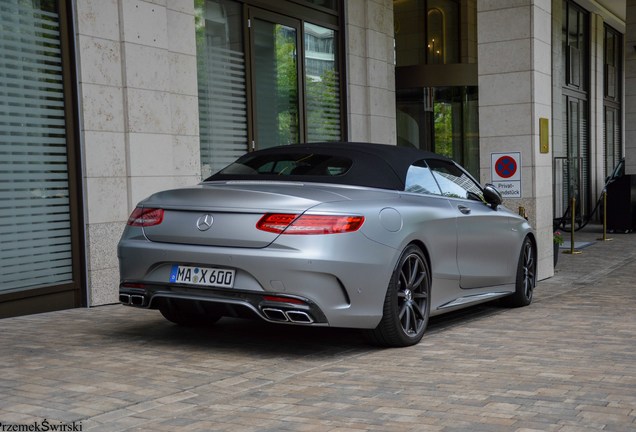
[[297, 164]]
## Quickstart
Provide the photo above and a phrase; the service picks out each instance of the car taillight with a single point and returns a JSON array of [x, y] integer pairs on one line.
[[287, 223], [145, 217], [275, 222]]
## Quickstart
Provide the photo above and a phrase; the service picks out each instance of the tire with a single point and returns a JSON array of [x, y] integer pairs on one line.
[[526, 279], [407, 302], [187, 316]]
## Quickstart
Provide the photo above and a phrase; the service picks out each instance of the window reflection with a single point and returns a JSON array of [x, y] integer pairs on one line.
[[427, 32], [420, 180], [221, 83], [322, 83], [453, 182], [258, 86], [436, 40], [443, 120], [276, 84]]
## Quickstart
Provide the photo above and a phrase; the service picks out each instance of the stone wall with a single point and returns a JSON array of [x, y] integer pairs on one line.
[[138, 117], [515, 91], [370, 71]]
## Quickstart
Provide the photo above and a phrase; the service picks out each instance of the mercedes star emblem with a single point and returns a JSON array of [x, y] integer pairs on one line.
[[205, 222]]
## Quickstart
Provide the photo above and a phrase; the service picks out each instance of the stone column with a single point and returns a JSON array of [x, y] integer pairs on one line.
[[515, 79], [139, 117], [370, 71]]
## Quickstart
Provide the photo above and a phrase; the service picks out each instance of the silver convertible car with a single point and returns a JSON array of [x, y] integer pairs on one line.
[[355, 235]]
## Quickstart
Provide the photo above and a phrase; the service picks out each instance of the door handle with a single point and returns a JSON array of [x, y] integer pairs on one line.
[[464, 209]]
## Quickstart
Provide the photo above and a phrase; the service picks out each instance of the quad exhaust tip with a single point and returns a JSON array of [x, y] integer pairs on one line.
[[299, 317], [293, 316], [134, 300], [275, 314]]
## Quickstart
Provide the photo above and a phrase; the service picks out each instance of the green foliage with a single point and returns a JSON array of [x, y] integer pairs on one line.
[[442, 117], [287, 87], [323, 117]]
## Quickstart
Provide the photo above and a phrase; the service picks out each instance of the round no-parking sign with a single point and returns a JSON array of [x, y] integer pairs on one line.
[[506, 173], [505, 167]]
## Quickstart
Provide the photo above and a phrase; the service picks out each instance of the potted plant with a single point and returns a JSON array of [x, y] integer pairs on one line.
[[557, 241]]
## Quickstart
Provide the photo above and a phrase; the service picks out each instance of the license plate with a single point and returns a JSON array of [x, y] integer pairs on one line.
[[202, 276]]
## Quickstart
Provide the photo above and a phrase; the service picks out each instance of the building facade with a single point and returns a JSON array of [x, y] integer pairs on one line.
[[107, 101]]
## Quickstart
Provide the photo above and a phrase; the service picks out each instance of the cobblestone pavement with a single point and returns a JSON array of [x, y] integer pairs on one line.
[[567, 363]]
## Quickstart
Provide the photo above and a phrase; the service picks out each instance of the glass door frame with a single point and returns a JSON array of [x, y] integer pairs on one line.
[[572, 159], [254, 14]]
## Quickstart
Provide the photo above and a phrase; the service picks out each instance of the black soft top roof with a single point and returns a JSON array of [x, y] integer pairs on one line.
[[374, 165]]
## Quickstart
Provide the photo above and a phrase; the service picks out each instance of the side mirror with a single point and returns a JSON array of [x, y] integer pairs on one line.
[[492, 196]]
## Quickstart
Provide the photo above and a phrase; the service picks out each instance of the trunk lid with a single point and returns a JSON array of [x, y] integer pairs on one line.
[[225, 214]]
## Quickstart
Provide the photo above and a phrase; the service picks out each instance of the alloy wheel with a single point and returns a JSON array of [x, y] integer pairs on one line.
[[412, 292], [529, 270]]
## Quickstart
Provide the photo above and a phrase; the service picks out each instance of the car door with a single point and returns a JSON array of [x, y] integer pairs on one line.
[[485, 239], [434, 220]]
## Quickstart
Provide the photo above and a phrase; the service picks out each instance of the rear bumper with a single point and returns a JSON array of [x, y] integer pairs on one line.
[[341, 280], [225, 302]]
